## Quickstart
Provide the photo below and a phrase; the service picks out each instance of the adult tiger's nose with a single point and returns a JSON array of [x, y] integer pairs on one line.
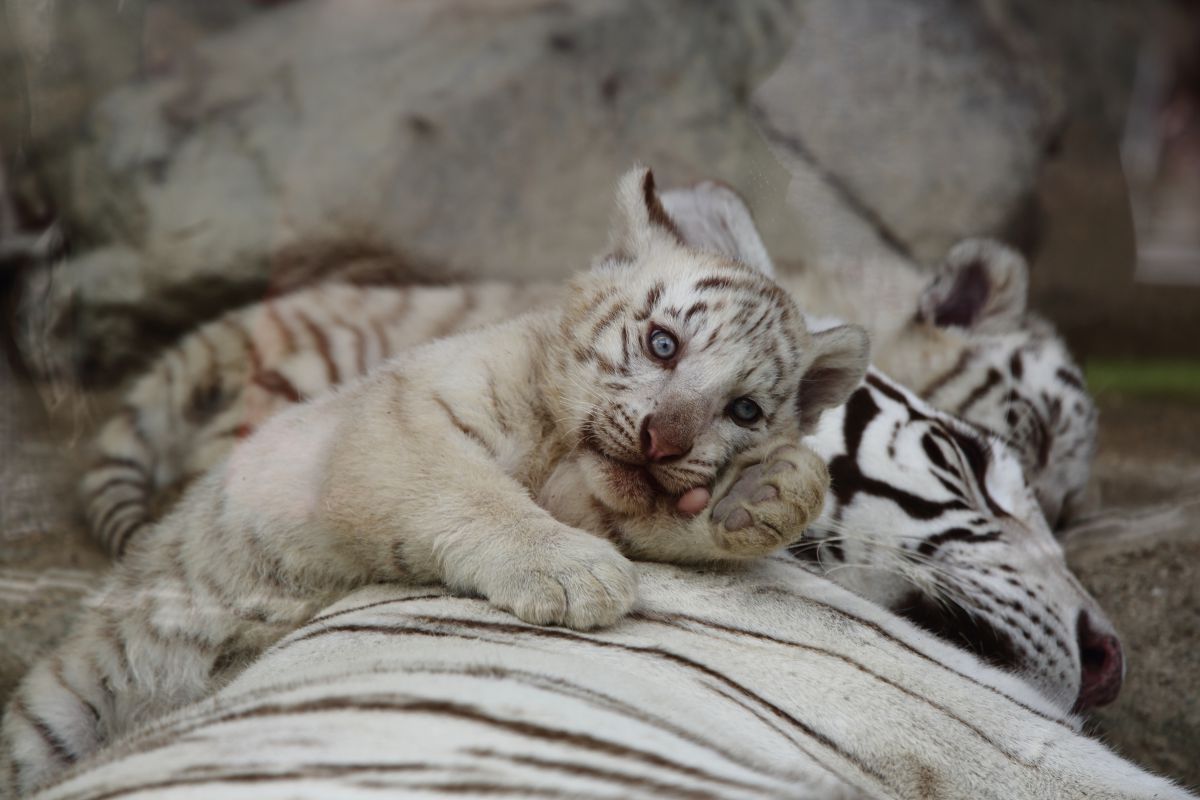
[[663, 439], [1103, 662]]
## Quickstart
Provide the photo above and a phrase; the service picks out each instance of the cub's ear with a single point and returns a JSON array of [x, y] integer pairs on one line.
[[641, 218], [841, 356], [982, 286], [713, 217]]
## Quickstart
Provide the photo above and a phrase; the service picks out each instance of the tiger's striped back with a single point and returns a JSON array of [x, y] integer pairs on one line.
[[221, 381], [782, 685]]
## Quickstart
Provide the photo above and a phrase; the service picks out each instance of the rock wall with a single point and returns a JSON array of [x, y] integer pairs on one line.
[[475, 137]]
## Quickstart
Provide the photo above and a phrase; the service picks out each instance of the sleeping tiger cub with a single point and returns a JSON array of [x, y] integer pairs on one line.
[[659, 402], [913, 522]]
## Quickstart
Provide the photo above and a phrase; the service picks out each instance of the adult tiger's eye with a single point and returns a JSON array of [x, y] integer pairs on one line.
[[662, 344], [744, 411]]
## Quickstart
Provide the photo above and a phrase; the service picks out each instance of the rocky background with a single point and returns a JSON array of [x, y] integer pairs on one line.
[[197, 154]]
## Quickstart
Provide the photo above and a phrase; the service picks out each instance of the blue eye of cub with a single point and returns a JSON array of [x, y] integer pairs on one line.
[[662, 344], [744, 411]]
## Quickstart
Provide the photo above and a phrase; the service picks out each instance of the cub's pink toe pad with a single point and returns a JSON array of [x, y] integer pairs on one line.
[[693, 501]]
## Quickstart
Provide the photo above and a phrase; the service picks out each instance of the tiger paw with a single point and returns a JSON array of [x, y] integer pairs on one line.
[[772, 496], [576, 580]]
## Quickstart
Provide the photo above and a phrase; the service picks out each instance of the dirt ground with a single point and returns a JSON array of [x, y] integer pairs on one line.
[[1141, 557]]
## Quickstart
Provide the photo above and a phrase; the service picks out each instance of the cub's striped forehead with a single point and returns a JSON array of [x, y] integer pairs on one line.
[[718, 310]]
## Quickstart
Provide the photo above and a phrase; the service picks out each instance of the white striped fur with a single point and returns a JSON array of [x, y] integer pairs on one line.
[[426, 471], [964, 341], [765, 682], [1010, 599]]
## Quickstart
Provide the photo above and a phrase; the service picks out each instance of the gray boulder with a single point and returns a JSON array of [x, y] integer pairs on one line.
[[927, 121], [472, 137]]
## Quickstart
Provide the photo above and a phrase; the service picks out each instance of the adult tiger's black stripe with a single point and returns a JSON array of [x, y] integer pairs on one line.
[[1015, 366], [846, 480], [894, 394], [951, 489], [977, 462], [860, 410], [930, 545], [934, 453], [1070, 379]]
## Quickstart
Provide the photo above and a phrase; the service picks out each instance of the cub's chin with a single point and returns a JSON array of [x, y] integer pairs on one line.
[[627, 488]]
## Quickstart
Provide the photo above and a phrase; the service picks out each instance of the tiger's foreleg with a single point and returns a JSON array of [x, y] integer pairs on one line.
[[437, 507]]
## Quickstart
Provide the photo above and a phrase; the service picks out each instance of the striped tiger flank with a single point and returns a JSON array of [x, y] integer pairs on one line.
[[223, 380], [782, 685]]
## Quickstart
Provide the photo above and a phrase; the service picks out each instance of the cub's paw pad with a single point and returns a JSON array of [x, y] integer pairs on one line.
[[580, 585], [771, 502]]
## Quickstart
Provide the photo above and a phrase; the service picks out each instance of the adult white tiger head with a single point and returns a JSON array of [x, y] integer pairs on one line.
[[933, 518], [682, 357], [937, 517], [1006, 370]]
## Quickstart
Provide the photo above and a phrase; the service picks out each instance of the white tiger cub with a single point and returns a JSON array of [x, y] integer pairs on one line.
[[663, 390]]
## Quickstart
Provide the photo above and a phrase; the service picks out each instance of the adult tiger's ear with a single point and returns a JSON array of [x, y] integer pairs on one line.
[[841, 356], [713, 217], [641, 218], [982, 285]]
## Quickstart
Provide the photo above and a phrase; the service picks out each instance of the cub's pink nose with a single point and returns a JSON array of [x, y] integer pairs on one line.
[[663, 442], [1103, 663]]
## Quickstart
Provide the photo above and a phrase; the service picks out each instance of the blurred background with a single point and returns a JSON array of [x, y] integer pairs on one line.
[[164, 160]]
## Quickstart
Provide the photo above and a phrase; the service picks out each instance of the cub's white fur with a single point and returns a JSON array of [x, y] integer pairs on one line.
[[666, 377]]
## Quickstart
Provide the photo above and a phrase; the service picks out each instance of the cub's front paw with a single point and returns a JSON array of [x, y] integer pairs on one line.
[[770, 499], [574, 579]]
